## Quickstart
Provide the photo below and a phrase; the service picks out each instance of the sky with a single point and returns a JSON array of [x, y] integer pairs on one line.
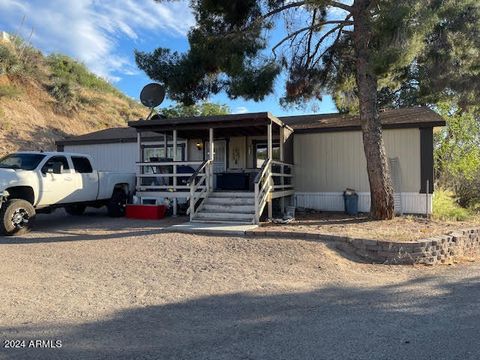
[[103, 35]]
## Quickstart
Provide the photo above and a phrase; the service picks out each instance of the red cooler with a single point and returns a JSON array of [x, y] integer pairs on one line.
[[146, 212]]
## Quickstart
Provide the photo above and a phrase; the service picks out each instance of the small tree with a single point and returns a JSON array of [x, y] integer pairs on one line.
[[202, 109], [360, 43], [457, 153]]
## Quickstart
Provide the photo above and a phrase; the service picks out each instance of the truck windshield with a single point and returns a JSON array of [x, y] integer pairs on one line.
[[21, 161]]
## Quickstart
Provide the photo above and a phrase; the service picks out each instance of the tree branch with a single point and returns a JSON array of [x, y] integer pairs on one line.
[[282, 8], [340, 6], [317, 26]]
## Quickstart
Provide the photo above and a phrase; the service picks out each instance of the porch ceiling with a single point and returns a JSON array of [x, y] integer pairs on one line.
[[224, 126]]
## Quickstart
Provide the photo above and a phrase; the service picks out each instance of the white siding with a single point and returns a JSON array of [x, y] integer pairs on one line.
[[412, 203], [193, 153], [109, 157], [333, 161]]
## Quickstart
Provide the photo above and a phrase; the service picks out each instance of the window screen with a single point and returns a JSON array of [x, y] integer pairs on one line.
[[82, 165]]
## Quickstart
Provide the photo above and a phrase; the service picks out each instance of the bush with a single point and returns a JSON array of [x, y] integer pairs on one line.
[[65, 94], [65, 69], [20, 58], [10, 64], [9, 91], [446, 208], [457, 154]]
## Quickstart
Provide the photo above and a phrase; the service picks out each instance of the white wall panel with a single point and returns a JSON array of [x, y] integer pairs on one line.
[[334, 161], [109, 157], [412, 203]]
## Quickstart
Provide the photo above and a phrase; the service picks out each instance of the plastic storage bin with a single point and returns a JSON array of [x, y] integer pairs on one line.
[[351, 202]]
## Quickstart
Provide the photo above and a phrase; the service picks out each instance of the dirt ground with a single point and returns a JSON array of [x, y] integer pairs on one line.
[[122, 289], [402, 228]]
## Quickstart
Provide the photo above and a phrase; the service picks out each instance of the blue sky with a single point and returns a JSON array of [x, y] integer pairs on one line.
[[103, 34]]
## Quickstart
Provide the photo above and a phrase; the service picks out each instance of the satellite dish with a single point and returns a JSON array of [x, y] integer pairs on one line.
[[151, 96]]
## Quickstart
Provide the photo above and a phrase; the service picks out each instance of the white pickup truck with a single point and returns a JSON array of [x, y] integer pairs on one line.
[[35, 182]]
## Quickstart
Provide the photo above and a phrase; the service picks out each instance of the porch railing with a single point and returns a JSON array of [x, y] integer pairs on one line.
[[282, 174], [263, 186], [200, 185], [151, 176], [275, 179]]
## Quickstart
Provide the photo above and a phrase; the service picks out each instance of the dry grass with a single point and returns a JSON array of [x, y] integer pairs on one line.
[[31, 120], [403, 228]]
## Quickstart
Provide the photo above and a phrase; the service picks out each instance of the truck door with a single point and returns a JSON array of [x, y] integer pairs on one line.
[[57, 182], [85, 180]]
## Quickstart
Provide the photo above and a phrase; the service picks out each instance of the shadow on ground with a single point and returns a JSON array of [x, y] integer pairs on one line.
[[419, 319], [60, 227]]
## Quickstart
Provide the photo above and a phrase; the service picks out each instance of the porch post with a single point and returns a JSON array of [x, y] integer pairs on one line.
[[282, 169], [175, 172], [211, 146], [165, 144], [269, 139], [138, 168], [270, 156]]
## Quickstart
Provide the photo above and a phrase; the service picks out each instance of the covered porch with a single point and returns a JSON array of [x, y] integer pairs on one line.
[[230, 164]]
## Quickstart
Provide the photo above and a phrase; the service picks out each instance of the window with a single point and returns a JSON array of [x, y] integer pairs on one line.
[[261, 153], [157, 153], [21, 161], [82, 165], [55, 160]]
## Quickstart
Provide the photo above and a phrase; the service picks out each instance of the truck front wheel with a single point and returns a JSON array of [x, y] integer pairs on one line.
[[16, 217], [116, 205]]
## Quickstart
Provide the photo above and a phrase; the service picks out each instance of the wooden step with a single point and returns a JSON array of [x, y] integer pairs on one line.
[[231, 194], [223, 216], [229, 208], [229, 201]]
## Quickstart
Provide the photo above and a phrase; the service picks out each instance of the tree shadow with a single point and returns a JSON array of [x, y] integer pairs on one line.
[[420, 319], [60, 227]]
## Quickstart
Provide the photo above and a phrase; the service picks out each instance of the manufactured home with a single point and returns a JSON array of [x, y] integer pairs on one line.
[[238, 167]]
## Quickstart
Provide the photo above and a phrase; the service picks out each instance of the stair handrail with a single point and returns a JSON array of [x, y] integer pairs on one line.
[[193, 177], [204, 191], [261, 193]]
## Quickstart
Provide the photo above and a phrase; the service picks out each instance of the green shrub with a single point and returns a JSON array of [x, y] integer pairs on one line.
[[19, 58], [9, 91], [10, 64], [66, 69], [89, 101], [446, 208], [65, 94]]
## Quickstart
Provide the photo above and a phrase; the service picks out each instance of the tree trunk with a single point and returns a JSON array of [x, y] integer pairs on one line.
[[381, 189]]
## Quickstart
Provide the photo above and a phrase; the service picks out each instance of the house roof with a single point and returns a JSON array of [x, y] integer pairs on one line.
[[390, 119], [107, 136], [417, 117], [249, 124]]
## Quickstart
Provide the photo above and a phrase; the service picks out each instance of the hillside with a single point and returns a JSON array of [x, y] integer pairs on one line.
[[46, 98]]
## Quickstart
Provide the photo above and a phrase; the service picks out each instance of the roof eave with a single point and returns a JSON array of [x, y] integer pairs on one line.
[[313, 129]]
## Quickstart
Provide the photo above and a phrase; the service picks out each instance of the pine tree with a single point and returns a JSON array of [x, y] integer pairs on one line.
[[346, 48]]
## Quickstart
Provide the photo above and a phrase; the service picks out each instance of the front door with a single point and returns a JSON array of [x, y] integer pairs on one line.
[[219, 158]]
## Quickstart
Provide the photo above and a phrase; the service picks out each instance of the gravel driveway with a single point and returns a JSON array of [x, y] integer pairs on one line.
[[120, 289]]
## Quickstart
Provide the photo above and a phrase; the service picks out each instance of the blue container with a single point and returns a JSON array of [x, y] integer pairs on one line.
[[351, 203]]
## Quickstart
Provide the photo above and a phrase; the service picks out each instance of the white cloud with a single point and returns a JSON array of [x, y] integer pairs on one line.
[[240, 110], [90, 30]]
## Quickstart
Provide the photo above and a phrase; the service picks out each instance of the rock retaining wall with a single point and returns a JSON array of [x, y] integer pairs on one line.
[[438, 249]]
